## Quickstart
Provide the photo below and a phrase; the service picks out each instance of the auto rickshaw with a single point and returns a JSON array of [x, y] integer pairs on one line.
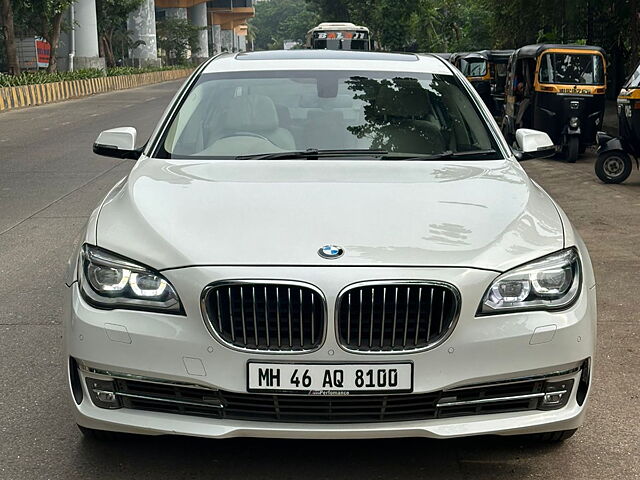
[[445, 56], [614, 163], [475, 66], [498, 60], [558, 89]]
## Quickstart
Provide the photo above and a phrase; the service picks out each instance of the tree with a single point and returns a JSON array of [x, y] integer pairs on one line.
[[279, 20], [6, 20], [112, 21], [176, 36], [45, 18]]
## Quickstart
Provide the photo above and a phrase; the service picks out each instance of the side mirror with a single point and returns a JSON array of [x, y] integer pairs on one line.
[[533, 144], [118, 142]]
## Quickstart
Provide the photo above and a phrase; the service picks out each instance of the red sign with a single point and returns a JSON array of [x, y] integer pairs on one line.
[[43, 50]]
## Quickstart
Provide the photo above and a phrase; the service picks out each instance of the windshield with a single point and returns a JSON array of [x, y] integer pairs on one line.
[[572, 69], [474, 67], [228, 115], [634, 79]]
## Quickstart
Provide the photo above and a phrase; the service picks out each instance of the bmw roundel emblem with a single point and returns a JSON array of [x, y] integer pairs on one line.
[[331, 252]]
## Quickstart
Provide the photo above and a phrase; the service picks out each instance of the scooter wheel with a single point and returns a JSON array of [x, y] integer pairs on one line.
[[573, 149], [613, 167]]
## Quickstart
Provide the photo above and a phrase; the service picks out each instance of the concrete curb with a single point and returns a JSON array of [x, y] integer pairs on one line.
[[43, 93]]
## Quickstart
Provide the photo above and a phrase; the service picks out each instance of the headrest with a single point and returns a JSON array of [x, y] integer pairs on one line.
[[251, 113]]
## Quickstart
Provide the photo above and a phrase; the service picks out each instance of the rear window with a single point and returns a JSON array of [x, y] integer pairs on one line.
[[234, 114], [572, 69]]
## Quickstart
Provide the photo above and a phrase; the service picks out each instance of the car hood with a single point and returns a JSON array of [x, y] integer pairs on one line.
[[171, 213]]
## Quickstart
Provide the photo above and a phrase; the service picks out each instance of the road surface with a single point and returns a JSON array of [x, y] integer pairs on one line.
[[50, 182]]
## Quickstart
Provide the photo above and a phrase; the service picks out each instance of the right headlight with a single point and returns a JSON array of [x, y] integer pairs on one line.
[[110, 281], [549, 283]]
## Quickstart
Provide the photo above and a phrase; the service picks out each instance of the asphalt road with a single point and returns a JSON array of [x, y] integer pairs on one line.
[[50, 182]]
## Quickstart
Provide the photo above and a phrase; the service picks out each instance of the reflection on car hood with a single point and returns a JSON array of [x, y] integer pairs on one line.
[[172, 213]]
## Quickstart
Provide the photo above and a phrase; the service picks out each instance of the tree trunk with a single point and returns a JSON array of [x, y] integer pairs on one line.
[[10, 37], [107, 49], [635, 25], [53, 39]]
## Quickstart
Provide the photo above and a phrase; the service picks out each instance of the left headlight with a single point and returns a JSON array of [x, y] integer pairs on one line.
[[549, 283], [107, 280]]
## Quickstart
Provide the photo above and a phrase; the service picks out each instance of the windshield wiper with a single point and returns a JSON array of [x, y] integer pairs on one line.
[[313, 153], [441, 156]]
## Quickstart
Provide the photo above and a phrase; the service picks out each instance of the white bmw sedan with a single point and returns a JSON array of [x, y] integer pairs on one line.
[[318, 244]]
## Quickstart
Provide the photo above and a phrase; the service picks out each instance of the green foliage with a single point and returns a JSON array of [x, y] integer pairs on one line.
[[467, 25], [45, 18], [117, 71], [280, 20], [427, 25], [32, 78], [112, 25], [176, 36]]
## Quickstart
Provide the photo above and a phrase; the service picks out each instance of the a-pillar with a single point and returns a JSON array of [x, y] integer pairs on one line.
[[86, 36], [198, 17], [142, 25]]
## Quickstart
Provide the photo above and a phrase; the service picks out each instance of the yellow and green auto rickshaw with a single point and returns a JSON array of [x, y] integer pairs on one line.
[[558, 89], [614, 163]]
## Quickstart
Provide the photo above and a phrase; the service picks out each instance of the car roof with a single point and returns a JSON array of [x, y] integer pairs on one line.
[[532, 51], [309, 59]]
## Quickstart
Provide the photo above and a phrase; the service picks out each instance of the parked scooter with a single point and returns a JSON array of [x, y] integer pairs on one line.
[[614, 164]]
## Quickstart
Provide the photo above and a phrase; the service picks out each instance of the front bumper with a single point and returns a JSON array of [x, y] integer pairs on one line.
[[480, 350]]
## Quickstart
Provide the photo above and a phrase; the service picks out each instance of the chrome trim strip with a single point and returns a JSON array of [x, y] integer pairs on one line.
[[542, 376], [398, 282], [494, 400], [86, 370], [267, 282], [217, 406]]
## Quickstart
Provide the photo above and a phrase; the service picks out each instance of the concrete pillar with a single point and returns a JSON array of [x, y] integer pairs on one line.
[[142, 25], [86, 36], [216, 32], [198, 17], [227, 41], [242, 43], [180, 13]]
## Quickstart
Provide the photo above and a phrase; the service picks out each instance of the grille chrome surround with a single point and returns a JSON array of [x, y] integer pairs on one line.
[[396, 327], [294, 321]]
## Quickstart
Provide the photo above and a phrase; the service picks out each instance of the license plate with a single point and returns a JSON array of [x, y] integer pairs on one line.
[[330, 379]]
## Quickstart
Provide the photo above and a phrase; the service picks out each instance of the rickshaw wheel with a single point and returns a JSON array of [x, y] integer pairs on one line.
[[573, 149], [613, 167]]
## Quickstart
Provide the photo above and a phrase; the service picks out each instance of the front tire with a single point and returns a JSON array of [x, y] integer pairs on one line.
[[573, 149], [613, 167]]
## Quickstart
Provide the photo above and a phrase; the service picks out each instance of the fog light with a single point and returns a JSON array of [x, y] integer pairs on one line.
[[556, 394], [574, 122], [102, 393]]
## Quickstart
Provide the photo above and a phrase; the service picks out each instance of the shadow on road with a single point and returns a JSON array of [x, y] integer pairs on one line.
[[182, 457]]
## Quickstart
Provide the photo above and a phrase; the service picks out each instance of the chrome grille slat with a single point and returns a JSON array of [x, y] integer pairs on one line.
[[244, 324], [289, 316], [415, 342], [396, 316], [266, 316], [430, 317]]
